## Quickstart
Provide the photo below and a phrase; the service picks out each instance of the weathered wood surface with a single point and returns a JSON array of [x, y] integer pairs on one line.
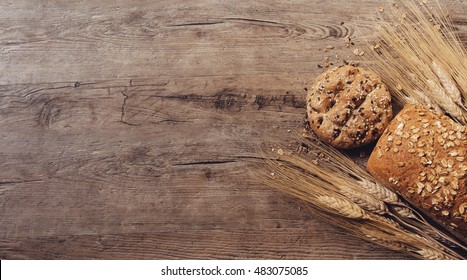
[[125, 126]]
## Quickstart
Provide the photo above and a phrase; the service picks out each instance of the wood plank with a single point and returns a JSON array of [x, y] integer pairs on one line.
[[103, 40], [126, 127], [299, 243]]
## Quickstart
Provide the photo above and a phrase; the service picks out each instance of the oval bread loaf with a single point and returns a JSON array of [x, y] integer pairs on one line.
[[421, 156]]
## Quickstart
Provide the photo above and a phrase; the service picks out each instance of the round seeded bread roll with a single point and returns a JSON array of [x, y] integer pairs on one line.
[[348, 107]]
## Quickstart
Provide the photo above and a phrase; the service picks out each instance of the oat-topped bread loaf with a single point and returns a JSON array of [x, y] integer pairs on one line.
[[348, 107], [421, 155]]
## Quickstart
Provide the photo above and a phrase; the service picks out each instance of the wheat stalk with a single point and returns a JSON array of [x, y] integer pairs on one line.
[[387, 233], [378, 190], [364, 200], [393, 245], [344, 207], [430, 254], [336, 166], [420, 58], [337, 189], [404, 212]]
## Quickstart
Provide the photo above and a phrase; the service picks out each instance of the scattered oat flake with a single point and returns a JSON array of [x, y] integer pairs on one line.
[[381, 9], [280, 152]]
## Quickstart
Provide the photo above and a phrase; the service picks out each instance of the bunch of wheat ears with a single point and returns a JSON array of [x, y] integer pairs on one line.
[[422, 61]]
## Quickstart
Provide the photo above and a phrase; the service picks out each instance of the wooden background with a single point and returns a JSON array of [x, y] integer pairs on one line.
[[126, 126]]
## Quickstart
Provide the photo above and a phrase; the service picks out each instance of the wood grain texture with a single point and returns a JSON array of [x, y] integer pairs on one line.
[[127, 127]]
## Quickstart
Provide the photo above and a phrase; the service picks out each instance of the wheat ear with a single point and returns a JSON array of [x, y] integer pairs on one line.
[[343, 207], [448, 83], [365, 200]]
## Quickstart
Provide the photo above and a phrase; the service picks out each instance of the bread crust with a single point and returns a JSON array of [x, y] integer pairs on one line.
[[348, 107], [421, 156]]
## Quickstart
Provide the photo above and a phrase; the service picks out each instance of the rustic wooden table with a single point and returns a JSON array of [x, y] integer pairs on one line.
[[124, 126]]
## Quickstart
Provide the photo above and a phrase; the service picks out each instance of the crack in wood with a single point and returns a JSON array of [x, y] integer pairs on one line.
[[19, 182], [195, 23], [205, 162], [213, 162], [252, 20], [73, 85], [249, 20], [122, 116]]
